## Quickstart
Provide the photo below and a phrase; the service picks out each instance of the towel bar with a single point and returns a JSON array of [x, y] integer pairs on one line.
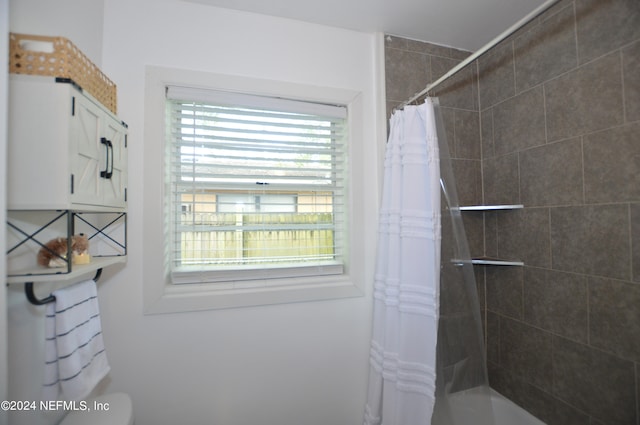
[[28, 291]]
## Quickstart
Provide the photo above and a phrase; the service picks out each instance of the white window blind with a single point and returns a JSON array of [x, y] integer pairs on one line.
[[255, 186]]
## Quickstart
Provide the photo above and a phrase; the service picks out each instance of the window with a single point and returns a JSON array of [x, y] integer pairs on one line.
[[255, 186], [212, 287]]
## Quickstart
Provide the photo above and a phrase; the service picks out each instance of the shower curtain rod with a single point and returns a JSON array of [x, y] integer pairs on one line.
[[522, 22]]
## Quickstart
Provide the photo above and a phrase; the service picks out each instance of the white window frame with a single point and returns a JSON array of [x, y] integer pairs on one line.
[[279, 267], [160, 295]]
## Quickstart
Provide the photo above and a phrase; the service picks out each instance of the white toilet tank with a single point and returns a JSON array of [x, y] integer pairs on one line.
[[108, 409]]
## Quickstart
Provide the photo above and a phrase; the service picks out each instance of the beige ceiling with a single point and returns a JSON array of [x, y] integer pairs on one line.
[[465, 24]]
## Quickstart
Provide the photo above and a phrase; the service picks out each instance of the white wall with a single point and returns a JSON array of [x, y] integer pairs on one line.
[[288, 364], [302, 363], [4, 31], [79, 21]]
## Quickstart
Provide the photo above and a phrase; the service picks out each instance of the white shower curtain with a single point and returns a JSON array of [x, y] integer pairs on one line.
[[406, 291]]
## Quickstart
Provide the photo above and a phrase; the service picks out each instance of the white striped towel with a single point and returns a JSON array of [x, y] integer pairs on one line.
[[75, 357]]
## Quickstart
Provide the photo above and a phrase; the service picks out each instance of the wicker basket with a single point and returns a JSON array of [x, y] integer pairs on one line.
[[59, 57]]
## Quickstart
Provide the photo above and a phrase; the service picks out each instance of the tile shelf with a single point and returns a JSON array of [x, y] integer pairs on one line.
[[487, 261], [490, 207], [490, 261]]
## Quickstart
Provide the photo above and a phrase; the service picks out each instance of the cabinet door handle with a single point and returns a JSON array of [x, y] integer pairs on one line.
[[108, 171], [105, 142]]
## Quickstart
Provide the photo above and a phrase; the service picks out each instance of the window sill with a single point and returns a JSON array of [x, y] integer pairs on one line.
[[208, 296], [255, 275]]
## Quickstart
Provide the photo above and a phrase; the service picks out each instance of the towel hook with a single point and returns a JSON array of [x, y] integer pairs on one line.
[[31, 296]]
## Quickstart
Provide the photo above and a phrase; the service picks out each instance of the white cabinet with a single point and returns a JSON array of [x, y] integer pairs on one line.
[[67, 174], [66, 150]]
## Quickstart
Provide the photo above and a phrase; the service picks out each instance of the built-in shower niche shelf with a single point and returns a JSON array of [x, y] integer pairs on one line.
[[490, 207]]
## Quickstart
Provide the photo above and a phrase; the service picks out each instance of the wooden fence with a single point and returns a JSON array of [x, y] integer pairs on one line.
[[230, 238]]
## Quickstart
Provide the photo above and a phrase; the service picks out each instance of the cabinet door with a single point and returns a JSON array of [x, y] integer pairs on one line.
[[115, 183], [86, 152]]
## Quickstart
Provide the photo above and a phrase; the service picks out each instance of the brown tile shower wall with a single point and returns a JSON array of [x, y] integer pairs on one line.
[[411, 65], [550, 118]]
